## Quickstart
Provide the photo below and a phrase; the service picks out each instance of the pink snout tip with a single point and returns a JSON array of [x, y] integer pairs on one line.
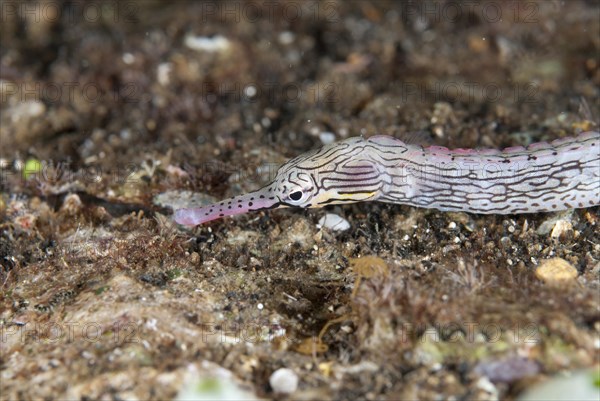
[[186, 217]]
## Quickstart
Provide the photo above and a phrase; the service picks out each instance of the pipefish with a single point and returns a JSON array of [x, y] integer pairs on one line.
[[542, 177]]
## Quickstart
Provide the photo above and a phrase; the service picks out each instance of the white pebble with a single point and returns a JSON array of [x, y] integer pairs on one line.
[[163, 73], [286, 37], [260, 306], [333, 222], [28, 109], [128, 58], [250, 91], [327, 137], [561, 227], [486, 385], [217, 43], [284, 381]]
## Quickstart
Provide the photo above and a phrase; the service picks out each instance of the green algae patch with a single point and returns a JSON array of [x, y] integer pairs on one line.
[[31, 168]]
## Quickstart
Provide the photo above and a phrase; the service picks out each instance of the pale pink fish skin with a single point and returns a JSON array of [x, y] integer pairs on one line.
[[563, 174]]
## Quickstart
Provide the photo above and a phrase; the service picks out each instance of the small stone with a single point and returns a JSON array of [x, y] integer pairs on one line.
[[548, 225], [578, 385], [27, 110], [128, 58], [207, 381], [333, 222], [327, 137], [556, 271], [286, 38], [561, 227], [284, 381], [486, 385], [213, 44], [163, 73], [507, 370]]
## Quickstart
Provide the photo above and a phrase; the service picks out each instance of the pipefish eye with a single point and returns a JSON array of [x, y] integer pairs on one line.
[[296, 195]]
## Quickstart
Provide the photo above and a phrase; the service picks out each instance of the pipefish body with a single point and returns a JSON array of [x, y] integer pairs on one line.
[[542, 177]]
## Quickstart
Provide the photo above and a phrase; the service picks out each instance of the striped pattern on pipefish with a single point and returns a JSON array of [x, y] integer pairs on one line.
[[542, 177]]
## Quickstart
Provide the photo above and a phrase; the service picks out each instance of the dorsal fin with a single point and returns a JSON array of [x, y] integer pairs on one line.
[[417, 138]]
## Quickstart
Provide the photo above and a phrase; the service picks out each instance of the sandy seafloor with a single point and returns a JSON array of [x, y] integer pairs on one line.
[[114, 113]]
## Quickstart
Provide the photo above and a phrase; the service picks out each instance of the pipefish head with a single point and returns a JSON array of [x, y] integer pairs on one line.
[[328, 175], [339, 173]]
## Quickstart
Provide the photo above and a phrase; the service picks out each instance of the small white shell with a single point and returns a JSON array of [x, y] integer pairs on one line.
[[284, 381], [333, 222], [327, 137]]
